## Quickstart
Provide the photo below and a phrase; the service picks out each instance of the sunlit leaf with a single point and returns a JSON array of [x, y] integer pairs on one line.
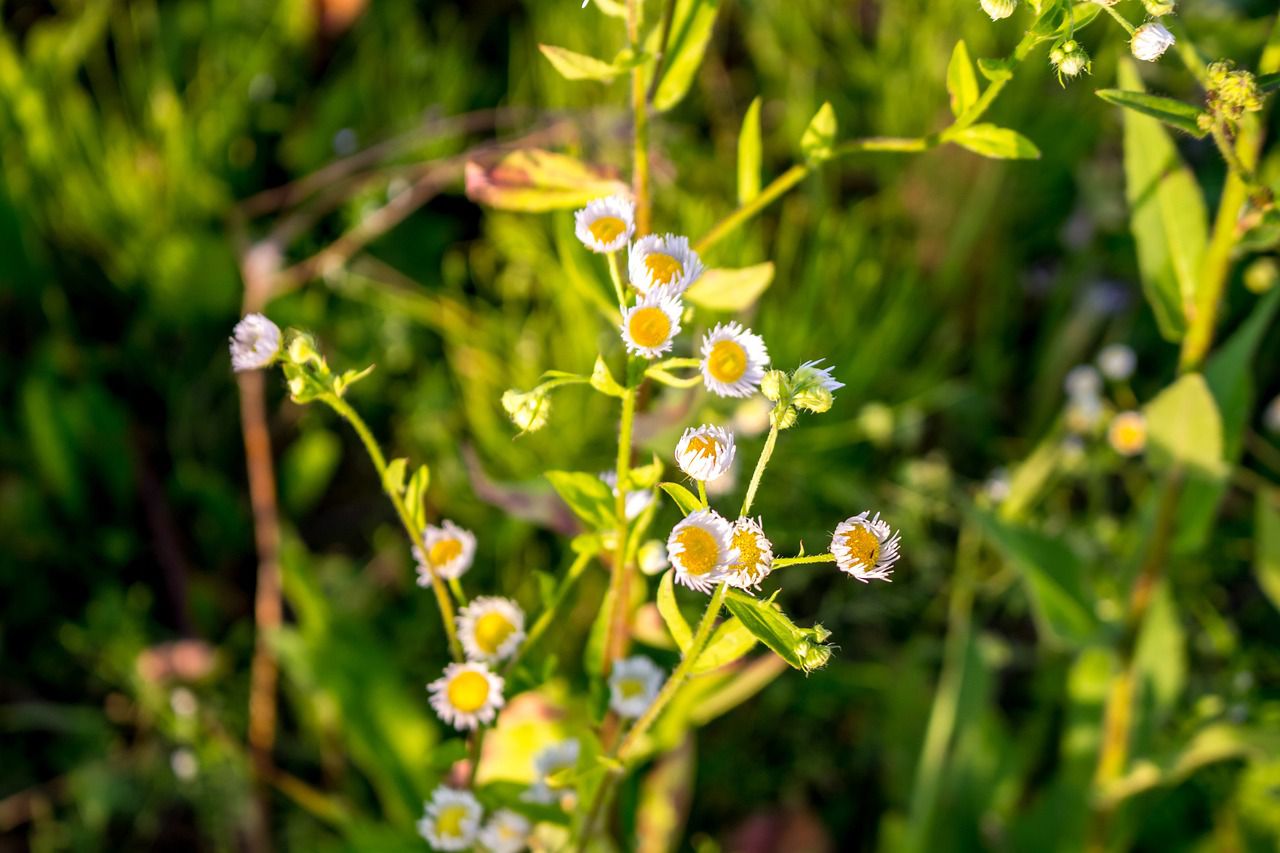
[[692, 23], [819, 139], [962, 83], [1184, 427], [685, 499], [536, 181], [803, 648], [670, 611], [587, 495], [1174, 113], [579, 66], [999, 143], [731, 290], [749, 154], [729, 642]]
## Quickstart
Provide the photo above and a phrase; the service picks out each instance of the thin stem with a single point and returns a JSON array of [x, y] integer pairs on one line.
[[1120, 19], [776, 189], [763, 461], [455, 586], [1218, 130], [551, 614], [885, 144], [640, 124], [668, 14], [340, 406], [616, 639], [802, 561], [615, 275], [477, 748], [702, 493]]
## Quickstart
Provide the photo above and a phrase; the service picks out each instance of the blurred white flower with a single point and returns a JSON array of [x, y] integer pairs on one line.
[[1082, 382], [255, 343], [1117, 362], [447, 551], [652, 558], [637, 501], [467, 695], [1150, 41], [1127, 434], [547, 763], [505, 832], [184, 764], [998, 9], [452, 819], [490, 628], [633, 685]]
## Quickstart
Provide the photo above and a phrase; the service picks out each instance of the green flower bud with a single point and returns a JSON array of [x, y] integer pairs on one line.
[[1261, 275], [774, 385], [1069, 59], [302, 350], [784, 417], [1159, 8], [816, 399]]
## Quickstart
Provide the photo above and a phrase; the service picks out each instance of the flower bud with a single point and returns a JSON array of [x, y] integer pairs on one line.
[[816, 399], [528, 411], [1069, 59], [302, 350], [774, 385], [784, 417], [1261, 275], [998, 9], [1159, 8], [1150, 41]]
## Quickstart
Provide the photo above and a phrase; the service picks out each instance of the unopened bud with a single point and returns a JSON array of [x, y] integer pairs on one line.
[[1159, 8], [774, 385], [302, 350], [814, 399], [999, 9], [1261, 275], [784, 417]]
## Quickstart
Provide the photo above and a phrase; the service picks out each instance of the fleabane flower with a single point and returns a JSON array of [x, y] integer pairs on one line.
[[547, 763], [490, 628], [705, 452], [701, 550], [467, 695], [1150, 41], [255, 343], [636, 501], [1117, 362], [505, 832], [813, 386], [606, 224], [633, 685], [865, 547], [755, 554], [452, 819], [665, 263], [1127, 433], [446, 551], [998, 9], [733, 360], [649, 326]]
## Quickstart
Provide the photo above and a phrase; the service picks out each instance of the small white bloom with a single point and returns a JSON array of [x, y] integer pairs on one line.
[[452, 819], [701, 550], [650, 326], [606, 224], [1082, 382], [547, 763], [1150, 41], [998, 9], [1117, 362], [446, 550], [663, 263], [1127, 434], [633, 685], [467, 695], [183, 702], [1084, 414], [1271, 416], [865, 547], [996, 488], [755, 554], [255, 343], [705, 452], [505, 832], [636, 502], [652, 558], [184, 764], [733, 360], [490, 628]]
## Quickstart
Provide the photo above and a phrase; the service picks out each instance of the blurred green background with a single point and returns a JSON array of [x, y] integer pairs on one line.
[[952, 294]]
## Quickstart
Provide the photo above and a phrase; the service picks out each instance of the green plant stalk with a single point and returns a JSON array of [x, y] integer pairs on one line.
[[783, 562], [1120, 19], [761, 464], [406, 519], [616, 638], [702, 493], [615, 275], [477, 748], [549, 616], [640, 123]]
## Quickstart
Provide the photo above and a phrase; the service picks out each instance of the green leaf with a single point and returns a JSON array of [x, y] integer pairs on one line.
[[602, 379], [1172, 112], [1184, 427], [531, 180], [692, 23], [1160, 659], [670, 611], [731, 290], [587, 495], [802, 648], [393, 476], [593, 651], [685, 499], [307, 468], [999, 143], [415, 496], [1167, 215], [962, 83], [749, 154], [819, 139], [1269, 82], [645, 476], [1266, 553], [579, 66], [1053, 574], [730, 641], [996, 70], [349, 378]]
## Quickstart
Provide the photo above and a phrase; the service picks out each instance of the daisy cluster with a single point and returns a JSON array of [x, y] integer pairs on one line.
[[1098, 397], [454, 820]]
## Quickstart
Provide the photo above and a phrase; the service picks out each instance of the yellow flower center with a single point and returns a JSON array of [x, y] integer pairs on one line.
[[492, 630], [444, 551], [863, 545], [649, 326], [630, 688], [701, 552], [749, 553], [704, 446], [727, 361], [1129, 435], [606, 229], [662, 268], [449, 821], [468, 691]]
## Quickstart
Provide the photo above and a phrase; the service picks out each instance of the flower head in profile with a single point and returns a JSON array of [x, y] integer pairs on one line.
[[255, 343], [755, 554], [467, 695], [812, 387], [546, 764], [633, 685], [705, 452], [1150, 41], [1117, 362], [650, 326], [452, 819], [637, 501], [998, 9], [865, 547], [446, 551], [606, 224], [665, 263], [701, 550], [733, 360], [490, 628], [505, 832], [1127, 433]]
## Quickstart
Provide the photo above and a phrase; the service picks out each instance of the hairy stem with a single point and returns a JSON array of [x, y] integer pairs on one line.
[[801, 561], [761, 463], [616, 638]]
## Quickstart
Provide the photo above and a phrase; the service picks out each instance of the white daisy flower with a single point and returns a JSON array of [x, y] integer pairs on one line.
[[452, 819], [701, 550], [255, 343], [705, 452], [733, 360], [755, 554], [636, 502], [1150, 41], [633, 685], [467, 695], [606, 224], [865, 548], [1117, 362], [1082, 382], [446, 550], [490, 628], [650, 326], [663, 263], [998, 9], [548, 762], [1127, 433], [506, 832]]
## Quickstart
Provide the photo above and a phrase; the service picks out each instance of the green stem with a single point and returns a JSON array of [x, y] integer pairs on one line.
[[477, 747], [616, 638], [406, 518], [455, 586], [1120, 19], [615, 274], [776, 189], [702, 493], [802, 561], [884, 144], [668, 14], [640, 119], [763, 461], [552, 613]]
